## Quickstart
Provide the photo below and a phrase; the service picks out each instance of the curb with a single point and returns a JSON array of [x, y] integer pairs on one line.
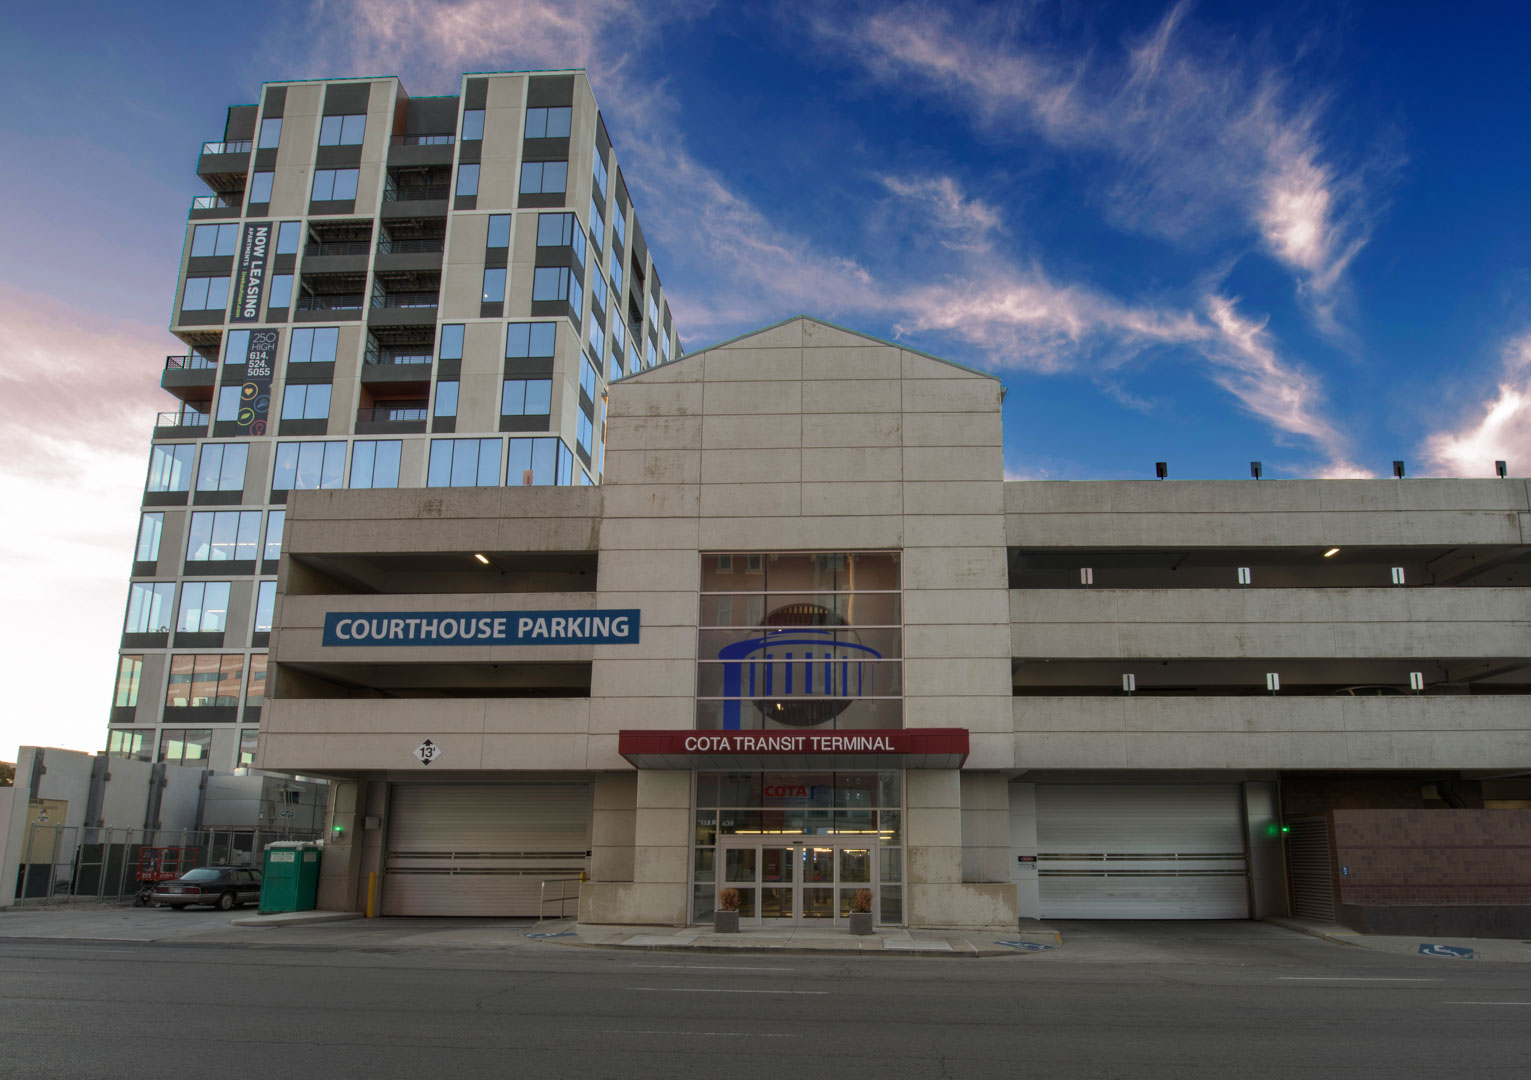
[[1316, 931], [301, 919]]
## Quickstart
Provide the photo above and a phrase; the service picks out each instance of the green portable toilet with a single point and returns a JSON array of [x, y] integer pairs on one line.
[[289, 879]]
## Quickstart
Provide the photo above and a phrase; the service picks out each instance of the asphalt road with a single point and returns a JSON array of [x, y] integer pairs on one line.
[[1118, 1000]]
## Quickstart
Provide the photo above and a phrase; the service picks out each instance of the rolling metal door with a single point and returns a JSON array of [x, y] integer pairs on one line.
[[481, 849], [1141, 851]]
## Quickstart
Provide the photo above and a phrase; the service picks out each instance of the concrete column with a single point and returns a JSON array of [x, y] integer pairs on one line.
[[662, 832], [612, 827], [1023, 841], [340, 867], [1267, 859], [985, 827], [936, 894]]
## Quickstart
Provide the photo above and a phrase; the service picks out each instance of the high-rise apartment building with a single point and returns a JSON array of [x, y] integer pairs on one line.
[[380, 291]]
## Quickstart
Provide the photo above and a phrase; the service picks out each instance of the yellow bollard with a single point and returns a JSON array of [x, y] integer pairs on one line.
[[372, 895]]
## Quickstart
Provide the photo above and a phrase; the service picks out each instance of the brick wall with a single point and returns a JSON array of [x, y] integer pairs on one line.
[[1433, 857]]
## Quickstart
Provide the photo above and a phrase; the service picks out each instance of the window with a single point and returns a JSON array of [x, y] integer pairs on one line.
[[249, 736], [549, 177], [334, 184], [597, 225], [597, 289], [149, 607], [375, 464], [467, 179], [584, 431], [183, 746], [499, 231], [205, 294], [308, 465], [313, 345], [260, 187], [281, 291], [270, 133], [597, 337], [600, 173], [287, 236], [214, 240], [306, 402], [228, 403], [589, 379], [649, 347], [223, 466], [204, 607], [342, 130], [265, 604], [554, 283], [664, 345], [255, 693], [561, 230], [451, 341], [619, 224], [170, 468], [634, 361], [275, 520], [494, 285], [204, 679], [529, 339], [446, 398], [526, 397], [616, 358], [618, 335], [223, 536], [134, 744], [653, 313], [616, 271], [472, 124], [534, 462], [464, 463], [548, 123], [150, 528]]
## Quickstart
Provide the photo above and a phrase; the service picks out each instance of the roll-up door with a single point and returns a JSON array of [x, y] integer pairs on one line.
[[481, 849], [1141, 851]]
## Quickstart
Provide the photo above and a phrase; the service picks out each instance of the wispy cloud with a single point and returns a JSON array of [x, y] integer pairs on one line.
[[1499, 429], [1197, 135]]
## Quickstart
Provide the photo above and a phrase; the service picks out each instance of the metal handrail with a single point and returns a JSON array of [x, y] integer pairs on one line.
[[184, 418], [229, 146], [423, 140], [218, 202], [329, 302], [412, 245], [403, 359], [416, 192], [385, 412], [406, 300], [338, 247], [194, 362], [562, 898]]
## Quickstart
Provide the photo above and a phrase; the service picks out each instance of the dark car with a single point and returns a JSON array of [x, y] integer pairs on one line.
[[223, 887]]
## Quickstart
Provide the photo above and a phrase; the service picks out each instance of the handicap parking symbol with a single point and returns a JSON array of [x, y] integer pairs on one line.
[[1456, 952], [1029, 946]]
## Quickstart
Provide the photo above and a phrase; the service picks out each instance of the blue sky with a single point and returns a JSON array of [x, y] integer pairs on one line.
[[1201, 233]]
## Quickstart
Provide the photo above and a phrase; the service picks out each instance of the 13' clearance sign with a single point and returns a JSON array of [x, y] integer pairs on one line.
[[371, 628]]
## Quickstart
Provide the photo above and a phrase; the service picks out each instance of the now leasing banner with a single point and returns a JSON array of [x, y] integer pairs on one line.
[[369, 628], [250, 272]]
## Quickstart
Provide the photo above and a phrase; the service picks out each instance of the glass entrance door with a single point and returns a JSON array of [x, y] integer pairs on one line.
[[805, 881]]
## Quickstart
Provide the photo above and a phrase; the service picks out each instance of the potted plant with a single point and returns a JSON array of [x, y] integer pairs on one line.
[[861, 912], [725, 920]]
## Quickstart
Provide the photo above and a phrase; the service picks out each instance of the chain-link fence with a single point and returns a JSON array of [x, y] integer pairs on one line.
[[67, 862]]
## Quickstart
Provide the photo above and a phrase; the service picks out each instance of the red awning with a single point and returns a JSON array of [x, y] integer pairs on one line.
[[902, 748]]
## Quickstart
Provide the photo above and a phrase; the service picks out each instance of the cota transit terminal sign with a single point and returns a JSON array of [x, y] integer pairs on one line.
[[371, 628]]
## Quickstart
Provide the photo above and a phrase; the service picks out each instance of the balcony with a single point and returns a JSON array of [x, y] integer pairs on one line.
[[397, 418], [339, 247], [403, 309], [224, 165], [398, 251], [399, 368], [222, 205], [186, 423], [421, 150], [324, 307], [191, 377], [419, 192]]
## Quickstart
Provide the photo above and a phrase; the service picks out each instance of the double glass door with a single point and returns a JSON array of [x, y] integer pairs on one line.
[[808, 881]]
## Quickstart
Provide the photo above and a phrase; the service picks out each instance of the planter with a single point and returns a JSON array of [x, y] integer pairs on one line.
[[861, 923], [725, 922]]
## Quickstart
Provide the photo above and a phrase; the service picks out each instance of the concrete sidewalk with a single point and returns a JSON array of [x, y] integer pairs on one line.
[[1501, 950], [809, 939]]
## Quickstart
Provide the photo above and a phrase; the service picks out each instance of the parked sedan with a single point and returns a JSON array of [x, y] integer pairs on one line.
[[223, 887]]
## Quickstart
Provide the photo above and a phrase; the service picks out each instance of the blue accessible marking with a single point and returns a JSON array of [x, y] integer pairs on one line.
[[1032, 946], [562, 933], [1456, 952]]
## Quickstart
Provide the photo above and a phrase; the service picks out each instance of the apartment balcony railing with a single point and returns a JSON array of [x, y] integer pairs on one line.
[[423, 140], [232, 146], [389, 357], [183, 418], [338, 247], [416, 192], [223, 201], [332, 302], [406, 300], [412, 246], [386, 413], [194, 362]]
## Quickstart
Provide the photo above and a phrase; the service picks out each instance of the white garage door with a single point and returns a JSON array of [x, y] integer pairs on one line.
[[481, 849], [1141, 851]]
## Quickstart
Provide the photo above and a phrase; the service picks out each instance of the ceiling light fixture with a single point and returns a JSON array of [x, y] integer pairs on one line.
[[1331, 551], [481, 557]]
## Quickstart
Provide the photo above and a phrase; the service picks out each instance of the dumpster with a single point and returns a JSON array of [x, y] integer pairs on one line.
[[290, 877]]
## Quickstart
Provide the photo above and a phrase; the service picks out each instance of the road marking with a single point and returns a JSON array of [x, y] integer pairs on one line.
[[730, 1034], [1346, 978], [1486, 1003], [706, 967], [710, 990]]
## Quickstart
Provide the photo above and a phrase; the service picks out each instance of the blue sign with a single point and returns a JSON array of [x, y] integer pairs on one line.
[[369, 628], [1456, 952], [1028, 946]]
